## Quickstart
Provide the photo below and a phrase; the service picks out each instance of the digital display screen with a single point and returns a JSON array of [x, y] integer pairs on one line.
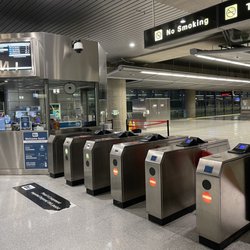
[[19, 114], [153, 158], [15, 56], [242, 146], [208, 169], [188, 141]]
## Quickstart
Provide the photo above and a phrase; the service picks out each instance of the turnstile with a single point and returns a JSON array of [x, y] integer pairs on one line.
[[73, 156], [127, 168], [222, 197], [55, 151], [170, 177], [97, 165]]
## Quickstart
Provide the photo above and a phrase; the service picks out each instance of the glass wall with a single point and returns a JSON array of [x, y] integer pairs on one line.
[[20, 98], [72, 102], [207, 103]]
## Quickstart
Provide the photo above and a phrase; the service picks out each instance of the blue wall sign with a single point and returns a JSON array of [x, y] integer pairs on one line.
[[70, 124], [25, 123], [35, 150], [2, 123]]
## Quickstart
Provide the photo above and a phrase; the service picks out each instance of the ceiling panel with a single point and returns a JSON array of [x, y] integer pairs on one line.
[[113, 23], [144, 81]]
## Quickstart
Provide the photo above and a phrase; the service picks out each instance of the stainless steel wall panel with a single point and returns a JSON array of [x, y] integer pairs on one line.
[[54, 58], [12, 154]]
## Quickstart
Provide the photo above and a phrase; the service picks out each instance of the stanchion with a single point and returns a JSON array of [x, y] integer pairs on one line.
[[167, 127]]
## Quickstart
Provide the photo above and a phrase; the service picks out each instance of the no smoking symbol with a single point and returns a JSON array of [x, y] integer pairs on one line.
[[231, 12]]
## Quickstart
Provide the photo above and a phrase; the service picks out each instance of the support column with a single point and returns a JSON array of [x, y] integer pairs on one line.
[[116, 103], [190, 104]]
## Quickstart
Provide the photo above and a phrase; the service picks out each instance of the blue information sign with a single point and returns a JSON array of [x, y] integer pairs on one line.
[[70, 124], [25, 123], [35, 150], [2, 123]]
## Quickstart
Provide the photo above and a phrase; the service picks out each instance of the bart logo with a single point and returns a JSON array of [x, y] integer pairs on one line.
[[158, 35], [231, 12]]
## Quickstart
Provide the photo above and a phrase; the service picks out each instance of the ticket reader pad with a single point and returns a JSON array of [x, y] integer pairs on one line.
[[241, 148], [191, 141], [222, 197]]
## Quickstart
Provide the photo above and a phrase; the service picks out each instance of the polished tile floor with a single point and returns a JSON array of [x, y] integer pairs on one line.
[[94, 223]]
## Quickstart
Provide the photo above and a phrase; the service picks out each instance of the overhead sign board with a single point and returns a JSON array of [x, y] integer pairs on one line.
[[15, 56], [233, 11], [211, 18], [189, 25]]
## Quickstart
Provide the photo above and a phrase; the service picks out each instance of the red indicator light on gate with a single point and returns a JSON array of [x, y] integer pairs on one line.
[[206, 197], [152, 182], [115, 171]]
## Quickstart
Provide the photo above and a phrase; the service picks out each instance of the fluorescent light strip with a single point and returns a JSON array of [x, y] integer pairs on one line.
[[194, 76], [222, 60]]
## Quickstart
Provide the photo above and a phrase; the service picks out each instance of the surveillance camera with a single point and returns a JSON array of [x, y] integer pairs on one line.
[[77, 46]]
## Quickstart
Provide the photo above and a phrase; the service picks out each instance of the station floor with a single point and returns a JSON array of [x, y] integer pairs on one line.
[[94, 223]]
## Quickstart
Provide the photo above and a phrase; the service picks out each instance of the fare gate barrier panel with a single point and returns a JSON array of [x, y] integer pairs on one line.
[[55, 152], [170, 177], [223, 196], [127, 168], [73, 156], [97, 165]]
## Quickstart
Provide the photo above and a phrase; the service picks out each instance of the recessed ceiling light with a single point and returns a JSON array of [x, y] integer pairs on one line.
[[183, 21], [132, 45]]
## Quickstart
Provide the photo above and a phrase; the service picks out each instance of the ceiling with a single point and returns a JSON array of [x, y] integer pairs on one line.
[[114, 24], [169, 79]]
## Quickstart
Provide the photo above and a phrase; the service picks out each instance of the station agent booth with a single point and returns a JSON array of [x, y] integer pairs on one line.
[[48, 84]]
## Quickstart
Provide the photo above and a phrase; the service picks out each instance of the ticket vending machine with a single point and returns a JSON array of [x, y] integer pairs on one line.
[[222, 196], [170, 177]]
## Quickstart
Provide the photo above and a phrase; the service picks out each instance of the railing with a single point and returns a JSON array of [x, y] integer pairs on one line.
[[135, 124]]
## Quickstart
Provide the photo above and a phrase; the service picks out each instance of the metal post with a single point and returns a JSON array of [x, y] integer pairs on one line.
[[97, 108], [167, 127], [47, 101]]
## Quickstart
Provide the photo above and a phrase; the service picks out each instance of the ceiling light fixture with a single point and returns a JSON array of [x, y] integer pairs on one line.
[[195, 76], [183, 21], [132, 45], [211, 58]]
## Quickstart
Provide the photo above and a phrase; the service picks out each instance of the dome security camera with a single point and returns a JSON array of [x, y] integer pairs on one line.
[[77, 46]]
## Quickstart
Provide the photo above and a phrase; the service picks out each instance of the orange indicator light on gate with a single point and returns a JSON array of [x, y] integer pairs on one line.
[[152, 182], [115, 171], [206, 197]]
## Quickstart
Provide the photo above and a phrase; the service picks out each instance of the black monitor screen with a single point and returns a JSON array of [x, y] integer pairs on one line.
[[15, 56], [153, 158], [188, 140], [242, 146]]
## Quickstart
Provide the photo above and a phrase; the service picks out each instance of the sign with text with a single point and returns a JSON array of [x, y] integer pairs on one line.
[[211, 18], [70, 124], [25, 123], [44, 198], [233, 11], [189, 25], [35, 150]]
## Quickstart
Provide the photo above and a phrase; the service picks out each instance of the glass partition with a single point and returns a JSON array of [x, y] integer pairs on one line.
[[69, 104]]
